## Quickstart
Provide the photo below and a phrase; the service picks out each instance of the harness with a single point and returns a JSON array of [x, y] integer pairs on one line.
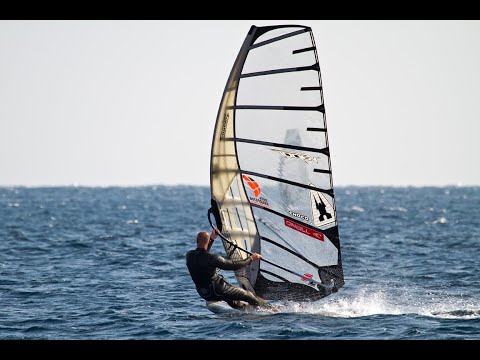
[[210, 292]]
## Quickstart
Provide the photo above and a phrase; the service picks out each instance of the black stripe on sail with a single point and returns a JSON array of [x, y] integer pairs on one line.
[[328, 192], [320, 108], [316, 129], [322, 171], [290, 251], [308, 88], [273, 274], [289, 218], [281, 37], [311, 48], [279, 71], [324, 151]]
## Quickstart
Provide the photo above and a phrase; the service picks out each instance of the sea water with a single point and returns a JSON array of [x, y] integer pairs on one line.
[[109, 263]]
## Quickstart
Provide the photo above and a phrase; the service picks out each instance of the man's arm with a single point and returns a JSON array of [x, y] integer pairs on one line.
[[213, 236], [227, 264]]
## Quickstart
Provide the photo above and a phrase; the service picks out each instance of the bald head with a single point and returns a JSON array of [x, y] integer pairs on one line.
[[202, 239]]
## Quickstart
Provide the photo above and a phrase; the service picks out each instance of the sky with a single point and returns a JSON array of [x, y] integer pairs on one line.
[[101, 103]]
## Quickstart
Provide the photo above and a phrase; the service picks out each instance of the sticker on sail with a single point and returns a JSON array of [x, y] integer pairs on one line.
[[303, 229], [304, 157], [322, 209], [293, 213], [255, 188], [224, 125], [307, 276]]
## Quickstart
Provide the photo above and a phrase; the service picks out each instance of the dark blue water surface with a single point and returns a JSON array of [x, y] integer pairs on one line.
[[109, 263]]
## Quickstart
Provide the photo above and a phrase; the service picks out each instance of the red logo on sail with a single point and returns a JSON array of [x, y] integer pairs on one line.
[[303, 229], [253, 185], [307, 276]]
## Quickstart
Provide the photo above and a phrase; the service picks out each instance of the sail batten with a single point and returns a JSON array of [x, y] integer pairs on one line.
[[271, 177], [327, 191], [310, 88], [286, 146], [299, 51], [280, 71], [273, 107], [322, 171]]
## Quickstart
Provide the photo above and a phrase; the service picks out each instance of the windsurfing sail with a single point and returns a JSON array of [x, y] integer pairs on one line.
[[270, 172]]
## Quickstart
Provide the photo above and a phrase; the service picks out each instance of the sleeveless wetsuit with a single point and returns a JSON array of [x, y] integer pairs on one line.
[[210, 285]]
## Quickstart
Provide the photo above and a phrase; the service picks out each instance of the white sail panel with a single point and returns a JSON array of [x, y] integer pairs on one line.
[[263, 90], [293, 165], [273, 126]]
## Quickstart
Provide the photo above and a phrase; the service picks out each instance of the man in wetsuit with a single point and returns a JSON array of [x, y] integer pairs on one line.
[[211, 286]]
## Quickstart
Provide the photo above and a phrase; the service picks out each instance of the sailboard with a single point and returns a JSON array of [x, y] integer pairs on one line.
[[270, 171]]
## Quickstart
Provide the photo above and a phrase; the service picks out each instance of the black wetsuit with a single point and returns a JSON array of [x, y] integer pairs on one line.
[[210, 285]]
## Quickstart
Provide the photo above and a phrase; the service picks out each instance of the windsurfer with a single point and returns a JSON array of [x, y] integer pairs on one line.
[[210, 285]]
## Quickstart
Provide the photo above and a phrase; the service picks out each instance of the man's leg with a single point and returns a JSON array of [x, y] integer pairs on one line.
[[236, 293]]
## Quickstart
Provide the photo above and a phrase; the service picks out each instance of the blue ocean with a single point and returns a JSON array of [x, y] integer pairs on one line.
[[109, 263]]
